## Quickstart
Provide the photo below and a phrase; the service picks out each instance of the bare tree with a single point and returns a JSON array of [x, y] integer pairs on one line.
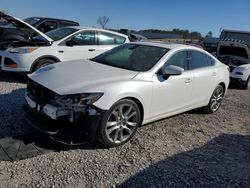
[[103, 21], [210, 34]]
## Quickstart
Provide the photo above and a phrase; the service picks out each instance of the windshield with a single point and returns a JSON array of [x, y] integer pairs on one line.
[[234, 51], [58, 34], [133, 57], [32, 20]]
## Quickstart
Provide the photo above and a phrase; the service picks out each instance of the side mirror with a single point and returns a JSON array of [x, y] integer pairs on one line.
[[172, 70], [71, 43]]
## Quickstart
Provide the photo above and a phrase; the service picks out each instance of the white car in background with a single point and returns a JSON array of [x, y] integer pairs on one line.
[[62, 44], [133, 84]]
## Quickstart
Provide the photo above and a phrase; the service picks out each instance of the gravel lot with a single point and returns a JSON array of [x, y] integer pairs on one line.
[[189, 150]]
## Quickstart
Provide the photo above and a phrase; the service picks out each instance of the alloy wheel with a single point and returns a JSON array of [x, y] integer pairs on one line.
[[217, 98], [122, 123]]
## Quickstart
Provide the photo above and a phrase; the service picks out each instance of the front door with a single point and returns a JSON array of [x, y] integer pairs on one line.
[[172, 95]]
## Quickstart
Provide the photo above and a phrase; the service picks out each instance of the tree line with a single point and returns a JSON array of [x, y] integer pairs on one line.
[[184, 33]]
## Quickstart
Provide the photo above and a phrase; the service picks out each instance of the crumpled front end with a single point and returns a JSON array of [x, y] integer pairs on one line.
[[81, 116]]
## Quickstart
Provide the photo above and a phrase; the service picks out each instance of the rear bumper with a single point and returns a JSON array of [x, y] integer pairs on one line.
[[81, 131]]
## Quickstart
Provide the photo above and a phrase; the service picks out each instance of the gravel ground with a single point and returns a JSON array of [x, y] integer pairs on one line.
[[189, 150]]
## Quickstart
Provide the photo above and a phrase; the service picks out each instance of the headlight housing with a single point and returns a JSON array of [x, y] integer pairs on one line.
[[23, 50], [77, 102], [242, 68]]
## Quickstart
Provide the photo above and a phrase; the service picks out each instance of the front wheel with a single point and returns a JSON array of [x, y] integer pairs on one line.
[[42, 63], [119, 123], [215, 100]]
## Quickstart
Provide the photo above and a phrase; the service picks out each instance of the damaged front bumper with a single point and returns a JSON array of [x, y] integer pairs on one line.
[[63, 125]]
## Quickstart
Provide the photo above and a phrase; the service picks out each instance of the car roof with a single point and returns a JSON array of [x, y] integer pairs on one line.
[[96, 29], [166, 45], [56, 19]]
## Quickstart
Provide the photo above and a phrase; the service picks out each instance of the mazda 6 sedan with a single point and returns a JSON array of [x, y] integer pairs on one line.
[[130, 85]]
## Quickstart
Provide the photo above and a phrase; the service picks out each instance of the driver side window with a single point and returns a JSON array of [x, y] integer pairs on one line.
[[47, 26], [84, 38], [179, 59]]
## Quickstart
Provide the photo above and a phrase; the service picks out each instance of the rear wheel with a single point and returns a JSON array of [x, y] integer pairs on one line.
[[120, 123], [215, 100], [42, 63]]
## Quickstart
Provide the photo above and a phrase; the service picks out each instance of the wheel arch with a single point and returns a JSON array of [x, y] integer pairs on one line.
[[138, 102], [223, 85], [53, 58]]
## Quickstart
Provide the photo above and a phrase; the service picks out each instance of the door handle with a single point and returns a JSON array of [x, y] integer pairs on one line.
[[60, 51], [214, 74], [188, 81], [91, 50]]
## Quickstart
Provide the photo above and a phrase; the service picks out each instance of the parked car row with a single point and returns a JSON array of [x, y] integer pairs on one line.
[[116, 84], [62, 44]]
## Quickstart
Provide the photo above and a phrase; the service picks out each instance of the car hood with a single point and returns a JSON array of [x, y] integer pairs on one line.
[[22, 24], [79, 76]]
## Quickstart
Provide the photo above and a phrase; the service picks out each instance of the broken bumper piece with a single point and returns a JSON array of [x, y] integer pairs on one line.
[[52, 120]]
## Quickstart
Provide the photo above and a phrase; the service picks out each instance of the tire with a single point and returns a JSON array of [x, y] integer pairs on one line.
[[215, 100], [247, 84], [42, 63], [119, 123]]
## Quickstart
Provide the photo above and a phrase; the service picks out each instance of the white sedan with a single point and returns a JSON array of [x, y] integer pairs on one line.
[[62, 44], [133, 84]]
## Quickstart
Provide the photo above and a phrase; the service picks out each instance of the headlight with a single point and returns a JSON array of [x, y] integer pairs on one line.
[[242, 68], [239, 73], [77, 102], [22, 50]]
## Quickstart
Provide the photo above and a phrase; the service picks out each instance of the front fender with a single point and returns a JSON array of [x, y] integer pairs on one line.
[[140, 90]]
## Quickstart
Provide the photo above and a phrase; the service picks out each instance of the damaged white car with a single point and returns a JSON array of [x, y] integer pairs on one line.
[[133, 84]]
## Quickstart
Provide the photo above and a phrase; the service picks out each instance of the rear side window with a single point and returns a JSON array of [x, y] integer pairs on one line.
[[179, 59], [109, 39], [200, 60], [84, 38]]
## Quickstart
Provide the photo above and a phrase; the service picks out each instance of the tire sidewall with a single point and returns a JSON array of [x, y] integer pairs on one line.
[[247, 85], [102, 128], [42, 63]]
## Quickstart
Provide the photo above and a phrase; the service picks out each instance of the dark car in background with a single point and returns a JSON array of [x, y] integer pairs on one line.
[[17, 32]]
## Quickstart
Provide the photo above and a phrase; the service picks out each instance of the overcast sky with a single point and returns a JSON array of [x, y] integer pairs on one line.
[[194, 15]]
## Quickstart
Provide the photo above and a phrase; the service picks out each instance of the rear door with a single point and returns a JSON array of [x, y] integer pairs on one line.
[[205, 76]]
